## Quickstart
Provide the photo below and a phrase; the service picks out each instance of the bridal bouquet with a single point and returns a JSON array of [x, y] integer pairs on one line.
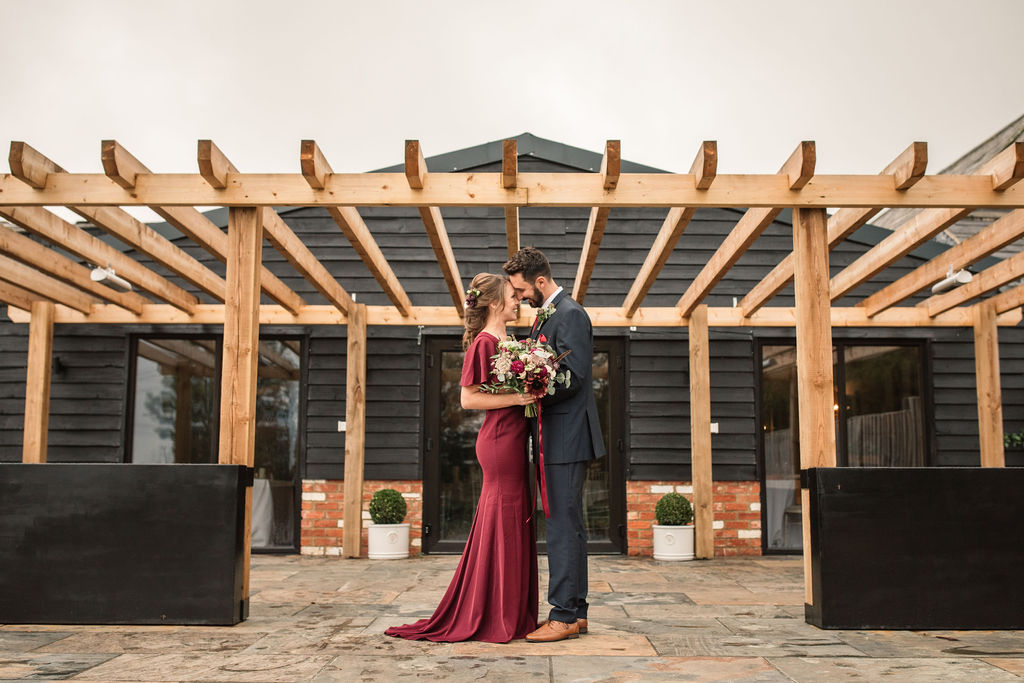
[[527, 367]]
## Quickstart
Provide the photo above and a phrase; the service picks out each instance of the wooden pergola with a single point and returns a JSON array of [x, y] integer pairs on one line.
[[43, 287]]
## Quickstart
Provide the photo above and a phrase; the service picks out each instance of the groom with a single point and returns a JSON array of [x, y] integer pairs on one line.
[[571, 438]]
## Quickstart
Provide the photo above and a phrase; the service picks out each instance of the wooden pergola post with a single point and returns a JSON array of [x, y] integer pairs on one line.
[[37, 382], [240, 360], [815, 390], [700, 432], [990, 400], [355, 430]]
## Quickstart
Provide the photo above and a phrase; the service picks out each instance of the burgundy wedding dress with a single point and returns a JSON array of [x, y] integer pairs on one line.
[[493, 595]]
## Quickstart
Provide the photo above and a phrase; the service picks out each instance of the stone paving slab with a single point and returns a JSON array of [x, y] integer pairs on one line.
[[323, 618]]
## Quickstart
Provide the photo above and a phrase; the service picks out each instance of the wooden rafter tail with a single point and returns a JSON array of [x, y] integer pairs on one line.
[[1004, 272], [415, 164], [120, 165], [313, 163], [611, 167], [1007, 167], [906, 170], [358, 234], [704, 169], [302, 259], [50, 227], [509, 163], [611, 164], [51, 263], [705, 166], [30, 166], [798, 171], [416, 174], [1005, 170], [214, 166], [985, 242], [17, 273]]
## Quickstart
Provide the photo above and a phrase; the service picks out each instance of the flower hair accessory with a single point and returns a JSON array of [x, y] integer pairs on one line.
[[545, 313], [471, 295]]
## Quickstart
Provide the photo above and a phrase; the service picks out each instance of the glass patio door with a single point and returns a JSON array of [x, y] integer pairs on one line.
[[452, 476]]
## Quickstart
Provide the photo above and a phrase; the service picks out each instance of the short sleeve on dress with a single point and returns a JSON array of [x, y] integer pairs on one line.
[[476, 368]]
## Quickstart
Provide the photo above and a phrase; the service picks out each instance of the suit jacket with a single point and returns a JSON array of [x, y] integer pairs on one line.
[[572, 428]]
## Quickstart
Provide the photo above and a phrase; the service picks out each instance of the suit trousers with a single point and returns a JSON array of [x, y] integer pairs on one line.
[[567, 541]]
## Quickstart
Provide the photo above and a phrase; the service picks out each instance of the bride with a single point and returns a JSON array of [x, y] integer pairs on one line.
[[493, 595]]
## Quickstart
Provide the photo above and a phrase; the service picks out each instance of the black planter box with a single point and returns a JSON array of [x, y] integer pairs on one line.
[[121, 544], [917, 548]]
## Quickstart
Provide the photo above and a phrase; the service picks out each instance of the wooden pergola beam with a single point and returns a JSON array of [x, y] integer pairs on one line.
[[317, 172], [16, 296], [303, 260], [214, 166], [798, 171], [29, 278], [986, 241], [1003, 172], [990, 402], [664, 190], [1008, 300], [509, 178], [49, 262], [906, 169], [814, 360], [355, 431], [37, 383], [56, 230], [445, 316], [700, 432], [124, 169], [1002, 273], [416, 174], [30, 166], [611, 165], [240, 357], [704, 169], [131, 231]]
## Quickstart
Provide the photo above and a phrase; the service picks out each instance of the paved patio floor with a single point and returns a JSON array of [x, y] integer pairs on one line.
[[323, 619]]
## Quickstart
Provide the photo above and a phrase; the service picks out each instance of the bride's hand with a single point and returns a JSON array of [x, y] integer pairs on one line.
[[525, 399]]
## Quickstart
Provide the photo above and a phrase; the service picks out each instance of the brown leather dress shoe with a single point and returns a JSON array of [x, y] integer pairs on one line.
[[582, 623], [553, 631]]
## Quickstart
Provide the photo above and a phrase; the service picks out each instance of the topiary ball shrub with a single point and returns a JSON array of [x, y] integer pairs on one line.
[[673, 510], [387, 507]]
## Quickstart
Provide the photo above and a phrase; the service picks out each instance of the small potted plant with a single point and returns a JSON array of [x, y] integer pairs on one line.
[[673, 534], [388, 536]]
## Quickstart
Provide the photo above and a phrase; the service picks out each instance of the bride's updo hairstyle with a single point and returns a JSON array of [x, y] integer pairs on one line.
[[484, 290]]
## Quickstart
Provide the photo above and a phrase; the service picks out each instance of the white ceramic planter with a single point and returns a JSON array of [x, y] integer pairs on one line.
[[673, 542], [388, 541]]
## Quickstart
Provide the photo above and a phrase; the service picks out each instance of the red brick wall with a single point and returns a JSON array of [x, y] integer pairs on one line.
[[323, 508], [736, 507]]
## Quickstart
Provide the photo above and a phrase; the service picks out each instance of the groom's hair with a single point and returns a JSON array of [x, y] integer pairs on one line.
[[531, 262]]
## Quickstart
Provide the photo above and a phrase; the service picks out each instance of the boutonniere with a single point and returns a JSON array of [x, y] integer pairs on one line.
[[545, 313]]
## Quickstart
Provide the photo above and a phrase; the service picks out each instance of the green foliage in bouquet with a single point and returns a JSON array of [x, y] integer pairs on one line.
[[1014, 439], [387, 507], [673, 510]]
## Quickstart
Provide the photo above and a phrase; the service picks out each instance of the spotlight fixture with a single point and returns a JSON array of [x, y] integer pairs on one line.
[[109, 277], [961, 277]]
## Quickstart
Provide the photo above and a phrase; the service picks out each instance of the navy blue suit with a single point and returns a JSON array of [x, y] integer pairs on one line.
[[572, 438]]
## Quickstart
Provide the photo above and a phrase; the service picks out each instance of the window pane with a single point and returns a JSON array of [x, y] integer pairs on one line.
[[884, 421], [781, 447], [277, 442], [174, 394]]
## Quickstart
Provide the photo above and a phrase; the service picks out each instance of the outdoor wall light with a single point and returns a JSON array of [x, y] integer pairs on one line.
[[108, 276], [961, 277]]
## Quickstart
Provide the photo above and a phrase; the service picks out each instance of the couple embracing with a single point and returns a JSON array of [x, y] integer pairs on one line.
[[493, 595]]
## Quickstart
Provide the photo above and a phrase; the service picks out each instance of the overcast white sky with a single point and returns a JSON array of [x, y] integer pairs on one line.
[[863, 78]]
